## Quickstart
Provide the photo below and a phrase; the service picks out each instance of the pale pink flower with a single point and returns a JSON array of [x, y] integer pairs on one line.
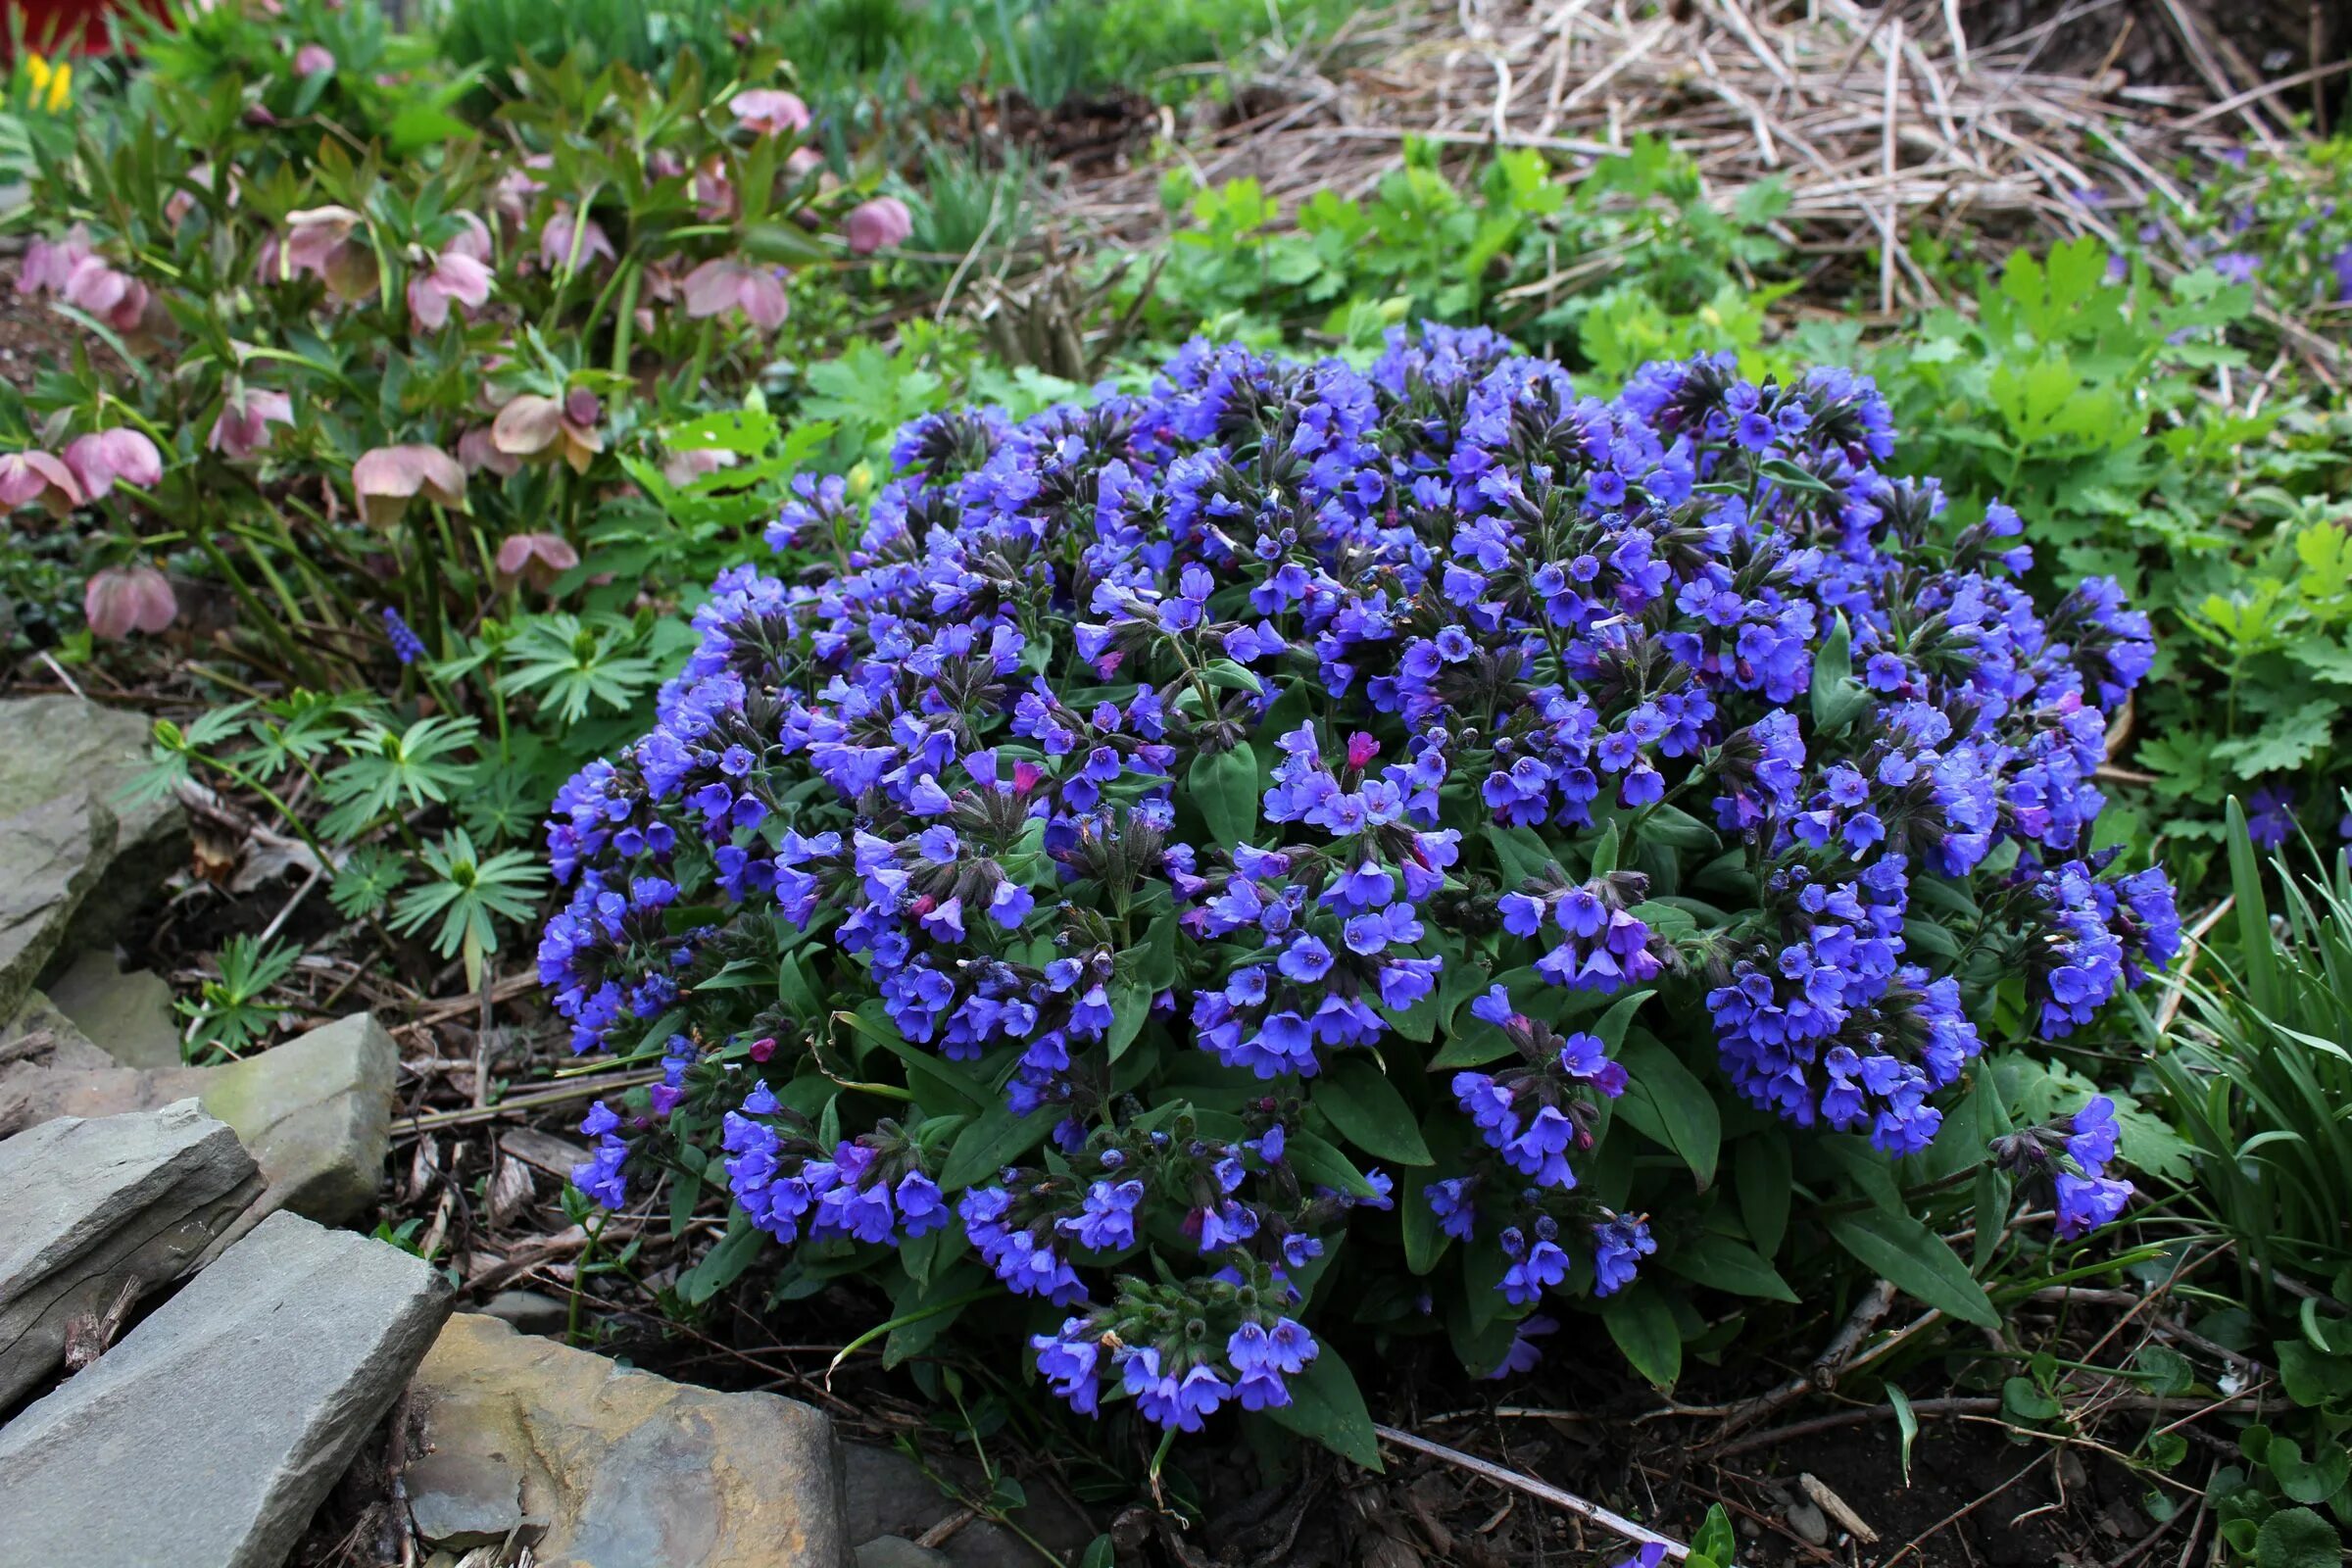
[[472, 238], [713, 193], [454, 276], [518, 188], [534, 427], [536, 557], [115, 298], [477, 449], [121, 600], [319, 240], [769, 110], [103, 456], [684, 467], [27, 477], [179, 204], [802, 161], [555, 241], [722, 284], [877, 224], [388, 478], [49, 263], [243, 428], [314, 59]]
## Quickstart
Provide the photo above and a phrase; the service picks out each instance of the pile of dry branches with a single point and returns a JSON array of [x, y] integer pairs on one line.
[[1877, 120]]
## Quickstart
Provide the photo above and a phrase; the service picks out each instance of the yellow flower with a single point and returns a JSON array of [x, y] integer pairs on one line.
[[52, 85]]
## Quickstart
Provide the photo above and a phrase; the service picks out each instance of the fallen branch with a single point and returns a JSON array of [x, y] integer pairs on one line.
[[1541, 1490]]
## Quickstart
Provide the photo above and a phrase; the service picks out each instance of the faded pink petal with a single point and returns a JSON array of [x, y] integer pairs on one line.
[[528, 425], [802, 161], [769, 110], [713, 193], [30, 477], [684, 467], [478, 451], [121, 600], [95, 286], [103, 456], [540, 558], [877, 224], [312, 60], [243, 428], [387, 478], [471, 240], [453, 276], [49, 263], [555, 241], [721, 284]]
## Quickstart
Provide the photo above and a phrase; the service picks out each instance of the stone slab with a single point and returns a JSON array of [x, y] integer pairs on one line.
[[213, 1431], [93, 1206], [611, 1468], [315, 1112], [125, 1012]]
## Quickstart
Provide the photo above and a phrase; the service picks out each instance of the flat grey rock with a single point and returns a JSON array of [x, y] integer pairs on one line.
[[125, 1013], [52, 853], [212, 1432], [897, 1551], [316, 1111], [94, 1206], [530, 1311], [76, 754], [604, 1467]]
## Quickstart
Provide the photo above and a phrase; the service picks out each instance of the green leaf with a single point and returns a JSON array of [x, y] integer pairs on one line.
[[1641, 1322], [1423, 1243], [1906, 1421], [1520, 853], [1715, 1539], [1224, 785], [1130, 1006], [1706, 1258], [2314, 1480], [1837, 696], [1327, 1406], [1667, 1104], [1917, 1260], [2297, 1537], [995, 1140], [1370, 1113], [1762, 1171], [724, 1264], [1316, 1160]]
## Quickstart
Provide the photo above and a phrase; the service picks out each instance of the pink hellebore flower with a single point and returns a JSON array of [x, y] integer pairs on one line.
[[477, 449], [318, 241], [29, 476], [387, 478], [722, 284], [179, 204], [115, 298], [456, 275], [534, 427], [802, 161], [243, 428], [314, 60], [769, 110], [536, 557], [555, 241], [49, 263], [121, 600], [102, 457], [877, 224], [713, 193]]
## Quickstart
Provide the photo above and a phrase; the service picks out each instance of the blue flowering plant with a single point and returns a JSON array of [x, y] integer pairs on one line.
[[1295, 850]]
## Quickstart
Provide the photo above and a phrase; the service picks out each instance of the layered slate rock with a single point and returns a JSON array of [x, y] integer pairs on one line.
[[888, 1495], [600, 1467], [95, 1209], [213, 1431], [315, 1112], [52, 853], [125, 1012], [75, 854]]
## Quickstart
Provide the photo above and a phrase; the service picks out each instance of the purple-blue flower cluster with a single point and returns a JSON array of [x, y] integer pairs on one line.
[[1230, 742]]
